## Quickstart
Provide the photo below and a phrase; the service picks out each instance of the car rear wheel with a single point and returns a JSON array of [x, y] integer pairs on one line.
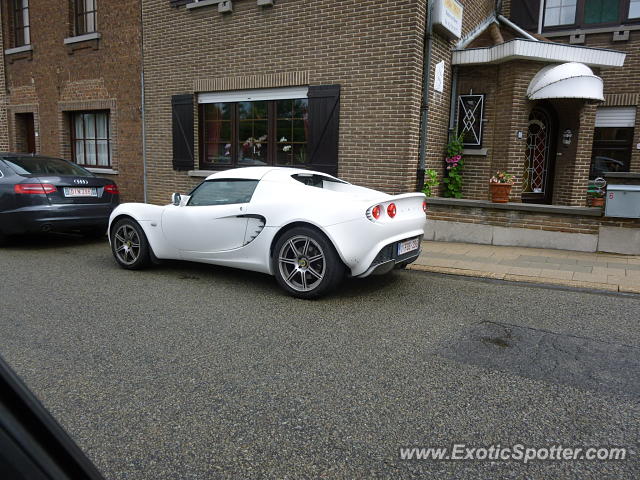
[[129, 244], [306, 264]]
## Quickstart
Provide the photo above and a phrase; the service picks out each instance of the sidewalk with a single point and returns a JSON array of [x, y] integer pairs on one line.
[[600, 271]]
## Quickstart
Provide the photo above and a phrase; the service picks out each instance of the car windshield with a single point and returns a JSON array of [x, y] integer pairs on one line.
[[45, 166]]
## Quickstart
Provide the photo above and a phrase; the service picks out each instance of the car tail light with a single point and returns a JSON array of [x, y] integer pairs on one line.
[[376, 211], [112, 189], [424, 206], [391, 210], [34, 188]]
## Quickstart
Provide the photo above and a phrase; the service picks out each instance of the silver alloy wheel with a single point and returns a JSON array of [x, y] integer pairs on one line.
[[126, 243], [302, 263]]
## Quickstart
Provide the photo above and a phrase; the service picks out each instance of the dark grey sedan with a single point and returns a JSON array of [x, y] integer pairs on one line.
[[42, 194]]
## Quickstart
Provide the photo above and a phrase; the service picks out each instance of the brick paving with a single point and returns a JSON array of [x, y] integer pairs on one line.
[[600, 271]]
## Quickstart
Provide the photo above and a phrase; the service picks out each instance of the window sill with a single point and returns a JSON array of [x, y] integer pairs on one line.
[[88, 40], [201, 173], [578, 31], [476, 152], [103, 171], [17, 53], [82, 38], [202, 3], [22, 49]]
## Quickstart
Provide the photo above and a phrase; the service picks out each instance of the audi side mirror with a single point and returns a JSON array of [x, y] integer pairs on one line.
[[175, 199]]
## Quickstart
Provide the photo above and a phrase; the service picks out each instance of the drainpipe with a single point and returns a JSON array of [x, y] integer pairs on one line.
[[541, 17], [142, 99], [424, 108], [453, 107]]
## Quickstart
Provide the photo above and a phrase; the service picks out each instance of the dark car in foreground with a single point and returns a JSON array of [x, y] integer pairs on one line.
[[44, 194]]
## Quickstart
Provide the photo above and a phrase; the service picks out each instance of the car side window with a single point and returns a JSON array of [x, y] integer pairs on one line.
[[223, 192]]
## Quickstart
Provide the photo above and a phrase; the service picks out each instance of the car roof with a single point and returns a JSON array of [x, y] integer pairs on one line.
[[4, 155], [257, 173]]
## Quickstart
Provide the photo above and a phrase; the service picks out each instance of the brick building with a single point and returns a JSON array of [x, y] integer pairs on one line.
[[72, 85], [547, 91], [333, 85]]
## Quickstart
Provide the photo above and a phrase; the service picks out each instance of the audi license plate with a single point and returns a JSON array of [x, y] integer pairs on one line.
[[408, 246], [80, 192]]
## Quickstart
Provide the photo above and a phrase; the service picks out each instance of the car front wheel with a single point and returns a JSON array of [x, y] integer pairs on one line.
[[306, 264], [129, 244]]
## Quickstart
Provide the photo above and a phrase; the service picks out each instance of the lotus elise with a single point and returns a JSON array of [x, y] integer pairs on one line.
[[306, 228]]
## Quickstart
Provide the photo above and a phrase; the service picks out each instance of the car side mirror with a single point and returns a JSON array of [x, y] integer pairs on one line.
[[176, 198]]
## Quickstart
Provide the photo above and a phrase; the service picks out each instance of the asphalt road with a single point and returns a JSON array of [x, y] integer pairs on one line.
[[188, 371]]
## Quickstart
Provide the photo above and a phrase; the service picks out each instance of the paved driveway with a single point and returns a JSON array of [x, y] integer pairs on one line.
[[190, 371]]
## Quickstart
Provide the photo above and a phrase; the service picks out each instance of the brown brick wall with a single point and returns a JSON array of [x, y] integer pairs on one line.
[[530, 220], [373, 49], [55, 79], [475, 12]]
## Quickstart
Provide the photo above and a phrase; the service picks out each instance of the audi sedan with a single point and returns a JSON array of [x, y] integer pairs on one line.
[[43, 194]]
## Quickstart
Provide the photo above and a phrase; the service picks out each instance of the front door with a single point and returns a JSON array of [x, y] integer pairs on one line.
[[213, 220], [25, 133], [537, 181]]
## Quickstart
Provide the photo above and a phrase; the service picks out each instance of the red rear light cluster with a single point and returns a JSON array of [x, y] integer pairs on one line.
[[34, 188], [424, 206], [391, 210], [112, 189], [376, 211]]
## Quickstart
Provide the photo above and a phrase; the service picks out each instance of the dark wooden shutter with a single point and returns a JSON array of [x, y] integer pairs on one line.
[[178, 3], [183, 137], [324, 119], [524, 13]]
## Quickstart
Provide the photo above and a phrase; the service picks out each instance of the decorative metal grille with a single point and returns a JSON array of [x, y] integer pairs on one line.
[[538, 147], [470, 111]]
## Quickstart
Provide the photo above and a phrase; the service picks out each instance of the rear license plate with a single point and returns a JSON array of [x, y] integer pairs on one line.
[[80, 192], [408, 246]]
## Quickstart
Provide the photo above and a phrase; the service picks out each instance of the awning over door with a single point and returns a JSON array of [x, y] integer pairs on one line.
[[568, 80]]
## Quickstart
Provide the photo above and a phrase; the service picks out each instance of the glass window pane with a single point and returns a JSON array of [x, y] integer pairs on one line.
[[300, 154], [79, 131], [284, 108], [217, 111], [245, 131], [552, 17], [634, 9], [79, 151], [102, 120], [91, 153], [259, 110], [103, 153], [299, 131], [218, 153], [568, 15], [224, 192], [600, 11], [284, 131], [244, 110], [89, 125], [300, 107]]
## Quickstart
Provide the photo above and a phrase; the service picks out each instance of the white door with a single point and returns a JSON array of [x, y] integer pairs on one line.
[[212, 221]]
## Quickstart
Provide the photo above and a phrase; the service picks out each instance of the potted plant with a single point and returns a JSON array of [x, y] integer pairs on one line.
[[430, 181], [597, 197], [500, 186]]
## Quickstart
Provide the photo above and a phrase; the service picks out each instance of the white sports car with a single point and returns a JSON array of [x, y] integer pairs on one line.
[[307, 228]]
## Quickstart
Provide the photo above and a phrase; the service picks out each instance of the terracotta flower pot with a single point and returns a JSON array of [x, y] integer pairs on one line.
[[500, 192], [597, 201]]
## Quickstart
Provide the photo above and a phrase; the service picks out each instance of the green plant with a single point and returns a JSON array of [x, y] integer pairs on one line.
[[455, 164], [430, 181], [502, 177]]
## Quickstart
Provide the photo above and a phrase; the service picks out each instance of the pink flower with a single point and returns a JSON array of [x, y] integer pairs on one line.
[[457, 158]]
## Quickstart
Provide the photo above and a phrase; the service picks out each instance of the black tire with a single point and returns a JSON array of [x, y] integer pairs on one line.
[[129, 245], [3, 239], [306, 265]]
